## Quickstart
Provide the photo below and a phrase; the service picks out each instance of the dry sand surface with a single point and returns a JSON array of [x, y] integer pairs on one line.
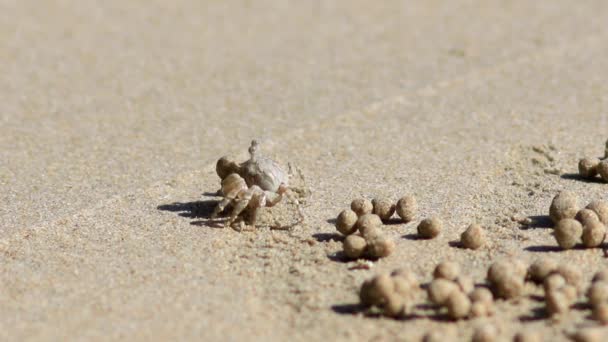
[[113, 113]]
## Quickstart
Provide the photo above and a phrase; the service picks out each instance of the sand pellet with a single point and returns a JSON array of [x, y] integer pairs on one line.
[[354, 246], [601, 210], [568, 233], [602, 169], [430, 228], [554, 282], [541, 268], [458, 305], [383, 207], [585, 216], [564, 206], [473, 237], [465, 283], [380, 247], [479, 309], [598, 293], [361, 206], [440, 289], [406, 208], [447, 270], [482, 295], [369, 225], [588, 167], [557, 303], [594, 233], [506, 278], [345, 223]]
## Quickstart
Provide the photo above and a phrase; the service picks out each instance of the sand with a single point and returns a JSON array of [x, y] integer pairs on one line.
[[113, 114]]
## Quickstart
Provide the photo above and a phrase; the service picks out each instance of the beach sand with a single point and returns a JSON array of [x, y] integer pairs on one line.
[[113, 115]]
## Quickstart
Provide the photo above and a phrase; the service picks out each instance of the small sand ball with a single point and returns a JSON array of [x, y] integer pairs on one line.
[[602, 169], [553, 282], [588, 335], [510, 287], [563, 206], [586, 215], [394, 306], [568, 233], [375, 291], [600, 276], [479, 309], [361, 206], [594, 233], [506, 278], [473, 237], [588, 167], [345, 223], [485, 333], [354, 246], [570, 292], [430, 228], [407, 208], [506, 268], [571, 274], [404, 287], [520, 268], [598, 293], [383, 207], [447, 270], [458, 304], [528, 336], [440, 289], [369, 225], [557, 302], [601, 210], [406, 275], [541, 268], [600, 313], [482, 295], [465, 283], [380, 247]]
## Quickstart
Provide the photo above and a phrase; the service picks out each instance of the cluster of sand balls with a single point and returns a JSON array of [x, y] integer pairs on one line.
[[591, 167], [391, 293], [366, 218], [457, 293], [574, 225]]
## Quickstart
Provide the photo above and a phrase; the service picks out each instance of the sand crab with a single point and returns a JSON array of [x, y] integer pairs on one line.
[[257, 170], [255, 183], [236, 193]]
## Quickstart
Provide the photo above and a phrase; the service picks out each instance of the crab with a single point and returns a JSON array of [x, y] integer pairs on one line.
[[257, 170], [236, 193], [257, 182]]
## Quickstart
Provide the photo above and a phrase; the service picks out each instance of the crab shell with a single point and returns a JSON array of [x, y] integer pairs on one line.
[[265, 173]]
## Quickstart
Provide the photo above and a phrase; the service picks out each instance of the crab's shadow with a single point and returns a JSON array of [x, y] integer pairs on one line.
[[200, 210]]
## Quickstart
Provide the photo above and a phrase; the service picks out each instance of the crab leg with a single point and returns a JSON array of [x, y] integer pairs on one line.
[[236, 211], [220, 207]]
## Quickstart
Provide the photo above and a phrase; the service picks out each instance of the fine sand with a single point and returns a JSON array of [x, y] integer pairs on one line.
[[113, 113]]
